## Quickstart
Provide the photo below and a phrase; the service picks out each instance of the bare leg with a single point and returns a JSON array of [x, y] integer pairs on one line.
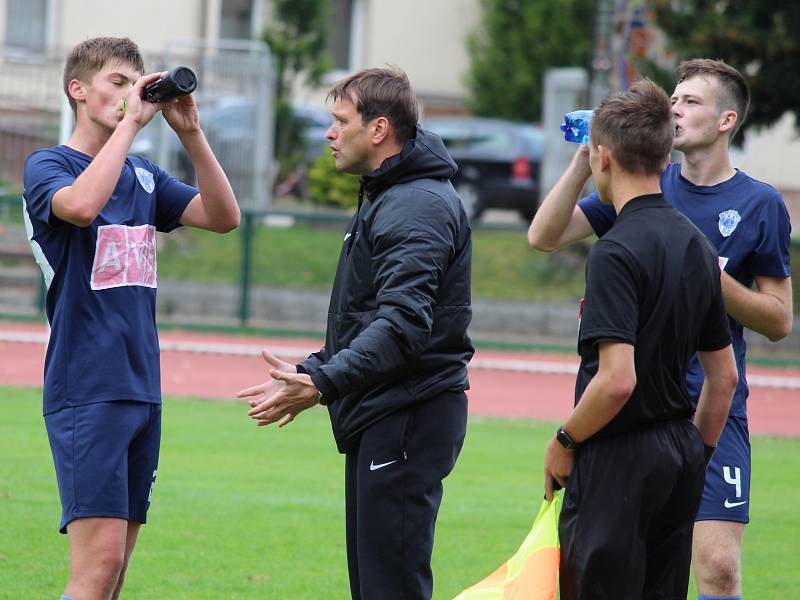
[[130, 542], [717, 557], [97, 555]]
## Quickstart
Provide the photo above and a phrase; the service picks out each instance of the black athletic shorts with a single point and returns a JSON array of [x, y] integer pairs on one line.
[[628, 513]]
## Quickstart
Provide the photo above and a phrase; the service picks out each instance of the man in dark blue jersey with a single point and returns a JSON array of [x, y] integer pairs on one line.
[[92, 212], [748, 224]]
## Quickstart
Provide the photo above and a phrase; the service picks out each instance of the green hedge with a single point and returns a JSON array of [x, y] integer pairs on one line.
[[329, 187]]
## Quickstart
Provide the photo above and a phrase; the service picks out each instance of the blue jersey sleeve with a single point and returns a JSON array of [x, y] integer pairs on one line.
[[45, 172], [770, 257], [172, 198], [601, 216]]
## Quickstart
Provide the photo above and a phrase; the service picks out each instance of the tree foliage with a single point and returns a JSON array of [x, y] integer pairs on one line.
[[759, 38], [298, 38], [517, 42]]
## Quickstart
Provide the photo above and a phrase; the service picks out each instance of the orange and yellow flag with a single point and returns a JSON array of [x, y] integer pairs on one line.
[[532, 573]]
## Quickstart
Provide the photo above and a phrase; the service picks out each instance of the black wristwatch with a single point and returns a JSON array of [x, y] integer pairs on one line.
[[565, 439]]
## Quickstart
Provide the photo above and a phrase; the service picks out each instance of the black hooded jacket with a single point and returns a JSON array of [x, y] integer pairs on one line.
[[400, 304]]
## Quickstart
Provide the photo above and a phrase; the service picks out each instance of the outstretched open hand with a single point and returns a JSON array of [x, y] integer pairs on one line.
[[281, 398]]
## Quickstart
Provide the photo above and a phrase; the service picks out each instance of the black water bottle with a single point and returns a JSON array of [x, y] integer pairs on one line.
[[177, 82]]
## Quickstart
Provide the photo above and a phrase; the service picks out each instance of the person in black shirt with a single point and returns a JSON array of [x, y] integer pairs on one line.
[[629, 455]]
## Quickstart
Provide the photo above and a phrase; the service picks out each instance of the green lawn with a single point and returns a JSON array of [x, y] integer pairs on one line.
[[243, 512]]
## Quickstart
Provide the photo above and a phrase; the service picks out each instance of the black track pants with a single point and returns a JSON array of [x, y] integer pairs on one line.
[[393, 489]]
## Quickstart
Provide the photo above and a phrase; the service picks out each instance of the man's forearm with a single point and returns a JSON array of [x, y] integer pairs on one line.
[[712, 411], [87, 196], [766, 313], [355, 368], [601, 401], [717, 393], [216, 193], [556, 210]]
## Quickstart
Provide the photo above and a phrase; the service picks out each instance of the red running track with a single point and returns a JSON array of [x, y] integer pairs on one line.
[[202, 370]]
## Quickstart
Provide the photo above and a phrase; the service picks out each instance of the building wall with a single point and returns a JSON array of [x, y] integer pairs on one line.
[[426, 39], [150, 24], [772, 154]]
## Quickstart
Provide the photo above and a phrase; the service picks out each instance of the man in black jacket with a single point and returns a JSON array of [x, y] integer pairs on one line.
[[393, 371]]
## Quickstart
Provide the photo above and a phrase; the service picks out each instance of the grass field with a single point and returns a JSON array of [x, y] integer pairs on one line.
[[243, 512]]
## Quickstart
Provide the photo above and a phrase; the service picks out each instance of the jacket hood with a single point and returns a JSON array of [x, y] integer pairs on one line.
[[422, 157]]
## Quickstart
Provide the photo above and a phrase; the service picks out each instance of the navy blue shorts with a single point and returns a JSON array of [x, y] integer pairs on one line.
[[726, 495], [106, 456]]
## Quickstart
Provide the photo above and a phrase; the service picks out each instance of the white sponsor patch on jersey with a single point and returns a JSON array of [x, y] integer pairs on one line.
[[728, 220], [145, 178], [124, 256]]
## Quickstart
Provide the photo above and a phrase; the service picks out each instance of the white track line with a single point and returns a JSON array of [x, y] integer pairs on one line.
[[491, 364]]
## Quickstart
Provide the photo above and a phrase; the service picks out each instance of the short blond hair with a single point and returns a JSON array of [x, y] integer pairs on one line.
[[88, 57]]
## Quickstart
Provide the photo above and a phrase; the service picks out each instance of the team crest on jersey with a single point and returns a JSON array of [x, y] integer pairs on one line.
[[145, 177], [728, 220]]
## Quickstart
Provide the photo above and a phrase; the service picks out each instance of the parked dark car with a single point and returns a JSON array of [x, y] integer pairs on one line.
[[498, 161]]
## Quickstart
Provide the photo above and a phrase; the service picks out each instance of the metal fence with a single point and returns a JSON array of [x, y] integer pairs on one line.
[[238, 301], [236, 101], [30, 102], [235, 98]]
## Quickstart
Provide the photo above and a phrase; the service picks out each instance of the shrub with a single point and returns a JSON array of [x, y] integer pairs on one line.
[[327, 186]]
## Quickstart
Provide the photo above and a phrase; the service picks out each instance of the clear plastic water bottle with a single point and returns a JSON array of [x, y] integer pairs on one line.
[[576, 126]]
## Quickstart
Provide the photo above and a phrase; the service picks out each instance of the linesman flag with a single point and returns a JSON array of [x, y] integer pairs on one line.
[[532, 573]]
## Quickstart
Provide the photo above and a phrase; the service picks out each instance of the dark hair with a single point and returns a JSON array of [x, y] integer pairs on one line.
[[636, 126], [733, 92], [382, 92], [91, 55]]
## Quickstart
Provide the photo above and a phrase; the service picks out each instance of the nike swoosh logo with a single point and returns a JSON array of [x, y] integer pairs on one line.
[[347, 235], [729, 504], [374, 467]]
